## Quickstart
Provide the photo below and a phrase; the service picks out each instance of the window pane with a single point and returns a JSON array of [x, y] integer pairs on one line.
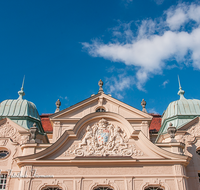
[[198, 152], [103, 188], [52, 188], [3, 153], [100, 110], [3, 181]]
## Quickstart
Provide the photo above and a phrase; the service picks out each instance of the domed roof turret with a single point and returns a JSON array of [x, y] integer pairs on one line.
[[21, 111], [18, 108], [180, 112]]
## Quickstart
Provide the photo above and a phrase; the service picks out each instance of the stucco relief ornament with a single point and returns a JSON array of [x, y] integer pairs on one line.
[[189, 138], [11, 132], [104, 139]]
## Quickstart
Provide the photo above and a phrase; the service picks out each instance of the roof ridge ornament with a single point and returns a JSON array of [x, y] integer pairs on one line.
[[58, 104], [100, 83], [143, 104], [180, 92], [21, 92]]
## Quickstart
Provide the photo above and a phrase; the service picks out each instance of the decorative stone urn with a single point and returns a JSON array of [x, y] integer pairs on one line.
[[172, 131]]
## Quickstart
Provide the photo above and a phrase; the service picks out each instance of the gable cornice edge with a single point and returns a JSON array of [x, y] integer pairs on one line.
[[81, 103]]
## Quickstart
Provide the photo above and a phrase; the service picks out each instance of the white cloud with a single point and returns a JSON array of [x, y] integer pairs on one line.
[[155, 43], [61, 97], [176, 17], [165, 83], [159, 2], [128, 1], [123, 31], [118, 84], [183, 13], [110, 69], [152, 110]]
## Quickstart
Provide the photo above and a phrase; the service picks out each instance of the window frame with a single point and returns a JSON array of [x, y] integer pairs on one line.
[[4, 149]]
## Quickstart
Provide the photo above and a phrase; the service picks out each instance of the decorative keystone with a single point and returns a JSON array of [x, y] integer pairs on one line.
[[34, 132], [100, 83], [172, 131], [58, 104], [143, 104]]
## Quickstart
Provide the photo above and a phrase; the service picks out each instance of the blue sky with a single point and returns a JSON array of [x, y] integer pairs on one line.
[[64, 47]]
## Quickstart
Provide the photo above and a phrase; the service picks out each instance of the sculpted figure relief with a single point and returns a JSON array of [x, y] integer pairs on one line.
[[103, 139]]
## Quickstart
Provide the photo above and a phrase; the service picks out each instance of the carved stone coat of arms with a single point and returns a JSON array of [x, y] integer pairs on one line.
[[103, 139]]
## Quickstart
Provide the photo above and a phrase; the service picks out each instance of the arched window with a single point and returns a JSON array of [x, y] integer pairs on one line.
[[100, 110], [103, 188], [52, 188], [153, 188]]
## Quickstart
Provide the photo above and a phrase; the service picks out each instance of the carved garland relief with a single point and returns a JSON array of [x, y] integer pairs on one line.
[[104, 139]]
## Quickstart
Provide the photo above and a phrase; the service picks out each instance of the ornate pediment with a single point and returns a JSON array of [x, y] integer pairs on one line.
[[108, 103], [104, 139]]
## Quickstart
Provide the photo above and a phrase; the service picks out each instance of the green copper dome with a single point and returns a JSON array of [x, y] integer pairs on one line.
[[21, 111], [180, 112], [18, 108]]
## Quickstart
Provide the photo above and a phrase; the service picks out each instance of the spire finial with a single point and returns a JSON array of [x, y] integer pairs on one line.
[[180, 92], [143, 104], [21, 92], [100, 83], [23, 83], [179, 83]]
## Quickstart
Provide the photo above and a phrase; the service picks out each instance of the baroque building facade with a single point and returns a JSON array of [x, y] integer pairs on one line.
[[100, 143]]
